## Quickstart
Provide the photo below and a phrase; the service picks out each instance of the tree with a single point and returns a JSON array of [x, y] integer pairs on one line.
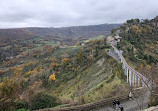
[[9, 91], [65, 59], [52, 77], [1, 72], [42, 100]]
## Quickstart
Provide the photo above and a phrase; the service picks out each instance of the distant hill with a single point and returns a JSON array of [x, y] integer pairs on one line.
[[12, 39], [13, 36], [75, 31]]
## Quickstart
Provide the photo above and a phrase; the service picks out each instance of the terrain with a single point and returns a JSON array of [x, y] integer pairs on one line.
[[37, 67], [56, 67], [140, 43], [17, 40]]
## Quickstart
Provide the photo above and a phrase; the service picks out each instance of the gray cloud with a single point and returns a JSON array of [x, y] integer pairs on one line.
[[58, 13]]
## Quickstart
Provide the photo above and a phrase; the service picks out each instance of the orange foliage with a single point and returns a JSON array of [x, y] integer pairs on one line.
[[53, 64], [1, 72], [65, 59], [16, 70], [91, 41]]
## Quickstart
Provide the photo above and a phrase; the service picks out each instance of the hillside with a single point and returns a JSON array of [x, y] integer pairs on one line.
[[15, 41], [140, 43], [60, 75], [140, 48]]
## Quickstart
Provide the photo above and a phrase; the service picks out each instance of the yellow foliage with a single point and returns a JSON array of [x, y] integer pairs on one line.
[[30, 63], [148, 67], [31, 72], [52, 77], [141, 66], [16, 70], [91, 56], [37, 69]]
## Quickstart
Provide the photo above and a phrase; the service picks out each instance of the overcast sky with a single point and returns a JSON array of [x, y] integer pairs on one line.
[[59, 13]]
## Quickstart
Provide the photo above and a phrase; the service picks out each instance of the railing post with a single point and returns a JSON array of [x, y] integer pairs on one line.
[[130, 78], [138, 82], [127, 74], [133, 78]]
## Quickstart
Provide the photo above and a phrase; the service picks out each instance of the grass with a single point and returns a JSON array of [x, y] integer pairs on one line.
[[65, 50], [94, 83], [53, 43], [106, 88], [95, 38], [22, 109]]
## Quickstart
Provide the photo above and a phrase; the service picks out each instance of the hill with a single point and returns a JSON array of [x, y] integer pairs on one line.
[[52, 75], [140, 42], [15, 41], [75, 31], [140, 47]]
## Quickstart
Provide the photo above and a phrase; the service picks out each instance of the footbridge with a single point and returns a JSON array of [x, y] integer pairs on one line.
[[134, 78]]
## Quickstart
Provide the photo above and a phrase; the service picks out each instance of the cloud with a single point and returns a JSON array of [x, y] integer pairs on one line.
[[58, 13]]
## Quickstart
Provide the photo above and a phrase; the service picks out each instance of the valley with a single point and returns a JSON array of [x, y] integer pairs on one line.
[[55, 67]]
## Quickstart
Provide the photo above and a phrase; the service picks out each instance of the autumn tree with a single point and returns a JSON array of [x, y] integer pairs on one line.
[[9, 90], [52, 77], [1, 72]]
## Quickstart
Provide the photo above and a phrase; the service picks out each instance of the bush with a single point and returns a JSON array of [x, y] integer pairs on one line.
[[42, 100], [21, 104], [22, 109]]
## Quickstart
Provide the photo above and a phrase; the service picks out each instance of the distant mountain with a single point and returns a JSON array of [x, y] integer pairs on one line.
[[75, 31]]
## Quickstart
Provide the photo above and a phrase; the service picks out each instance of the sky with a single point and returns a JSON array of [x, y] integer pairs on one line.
[[61, 13]]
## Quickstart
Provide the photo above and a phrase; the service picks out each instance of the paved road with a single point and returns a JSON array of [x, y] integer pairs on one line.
[[131, 105], [114, 55], [135, 104]]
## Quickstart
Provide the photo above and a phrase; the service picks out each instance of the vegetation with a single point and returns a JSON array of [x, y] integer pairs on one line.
[[140, 43], [42, 100], [44, 75]]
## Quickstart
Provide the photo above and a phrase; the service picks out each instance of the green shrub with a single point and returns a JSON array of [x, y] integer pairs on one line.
[[21, 104], [43, 100], [22, 109]]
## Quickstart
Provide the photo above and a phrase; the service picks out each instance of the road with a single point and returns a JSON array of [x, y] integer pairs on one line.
[[135, 104], [130, 105]]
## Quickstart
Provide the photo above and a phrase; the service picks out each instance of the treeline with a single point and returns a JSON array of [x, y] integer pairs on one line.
[[140, 39], [140, 45]]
